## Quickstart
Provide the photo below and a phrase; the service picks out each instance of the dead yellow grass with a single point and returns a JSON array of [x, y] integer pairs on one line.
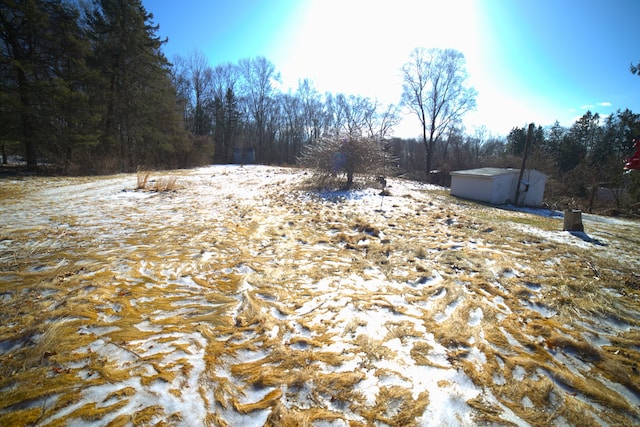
[[281, 416], [395, 405], [252, 296], [264, 403]]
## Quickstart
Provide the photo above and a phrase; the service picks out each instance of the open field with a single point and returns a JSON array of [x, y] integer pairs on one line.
[[240, 298]]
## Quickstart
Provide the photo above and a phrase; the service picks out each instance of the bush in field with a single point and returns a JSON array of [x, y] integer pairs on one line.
[[344, 156]]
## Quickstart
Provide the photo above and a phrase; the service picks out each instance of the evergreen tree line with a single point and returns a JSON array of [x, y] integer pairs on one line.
[[86, 89]]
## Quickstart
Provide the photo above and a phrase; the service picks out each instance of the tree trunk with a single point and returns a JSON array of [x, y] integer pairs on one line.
[[430, 146], [349, 179], [30, 151], [427, 152], [28, 141], [592, 196]]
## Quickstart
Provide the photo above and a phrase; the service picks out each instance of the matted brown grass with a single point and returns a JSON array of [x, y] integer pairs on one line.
[[240, 295]]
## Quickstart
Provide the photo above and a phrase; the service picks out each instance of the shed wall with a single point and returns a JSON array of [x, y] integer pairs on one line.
[[500, 188], [472, 187], [532, 192], [503, 189]]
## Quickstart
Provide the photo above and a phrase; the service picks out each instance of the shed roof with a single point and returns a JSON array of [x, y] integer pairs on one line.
[[485, 172]]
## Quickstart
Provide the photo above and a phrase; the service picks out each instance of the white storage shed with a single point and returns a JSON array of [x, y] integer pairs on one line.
[[498, 186]]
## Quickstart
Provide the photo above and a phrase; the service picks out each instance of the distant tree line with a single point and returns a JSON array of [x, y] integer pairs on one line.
[[240, 106], [584, 162], [85, 88]]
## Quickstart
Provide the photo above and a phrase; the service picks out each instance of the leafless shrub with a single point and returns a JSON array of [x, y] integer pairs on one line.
[[345, 156]]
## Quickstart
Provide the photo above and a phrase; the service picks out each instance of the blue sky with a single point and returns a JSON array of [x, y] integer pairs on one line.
[[530, 60]]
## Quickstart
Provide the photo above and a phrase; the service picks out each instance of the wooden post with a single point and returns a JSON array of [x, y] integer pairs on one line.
[[524, 161], [573, 220]]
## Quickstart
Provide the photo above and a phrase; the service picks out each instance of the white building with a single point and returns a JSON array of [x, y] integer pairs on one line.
[[498, 186]]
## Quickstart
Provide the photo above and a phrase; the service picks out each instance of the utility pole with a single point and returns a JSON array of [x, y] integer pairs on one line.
[[524, 161]]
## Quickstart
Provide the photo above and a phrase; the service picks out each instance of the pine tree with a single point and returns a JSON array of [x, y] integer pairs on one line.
[[140, 119], [43, 79]]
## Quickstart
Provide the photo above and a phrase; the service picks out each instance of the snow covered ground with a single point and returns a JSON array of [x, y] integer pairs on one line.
[[242, 298]]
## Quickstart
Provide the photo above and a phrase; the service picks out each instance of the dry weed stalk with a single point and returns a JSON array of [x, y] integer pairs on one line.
[[142, 179], [160, 185], [165, 184]]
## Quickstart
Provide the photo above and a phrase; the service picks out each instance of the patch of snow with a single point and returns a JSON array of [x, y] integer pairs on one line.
[[448, 401], [519, 373], [475, 317], [542, 309]]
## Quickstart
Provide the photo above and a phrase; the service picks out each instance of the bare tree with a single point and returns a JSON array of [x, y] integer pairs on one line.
[[312, 109], [180, 79], [192, 76], [200, 77], [226, 110], [481, 134], [435, 90], [292, 129], [225, 76], [258, 78], [381, 123], [354, 110], [358, 115]]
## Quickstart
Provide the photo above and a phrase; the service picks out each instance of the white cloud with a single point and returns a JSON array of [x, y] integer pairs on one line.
[[592, 106]]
